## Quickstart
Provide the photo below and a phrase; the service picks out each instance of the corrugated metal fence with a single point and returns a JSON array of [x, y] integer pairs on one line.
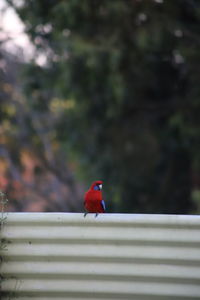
[[61, 256]]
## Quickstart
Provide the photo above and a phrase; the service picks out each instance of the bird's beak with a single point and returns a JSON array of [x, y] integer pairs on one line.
[[100, 186]]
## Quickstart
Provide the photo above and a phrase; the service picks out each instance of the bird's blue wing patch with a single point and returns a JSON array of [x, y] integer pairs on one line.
[[103, 205]]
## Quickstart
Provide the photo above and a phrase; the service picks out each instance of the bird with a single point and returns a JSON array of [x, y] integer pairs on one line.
[[93, 201]]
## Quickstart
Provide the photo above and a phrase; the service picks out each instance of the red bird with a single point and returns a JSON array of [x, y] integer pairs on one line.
[[93, 201]]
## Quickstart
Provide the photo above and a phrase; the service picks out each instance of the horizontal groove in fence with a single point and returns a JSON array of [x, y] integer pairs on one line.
[[114, 256]]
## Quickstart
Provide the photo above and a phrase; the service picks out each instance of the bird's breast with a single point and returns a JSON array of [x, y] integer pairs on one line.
[[93, 196]]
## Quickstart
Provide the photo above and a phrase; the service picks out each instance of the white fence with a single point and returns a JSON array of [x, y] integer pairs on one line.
[[59, 256]]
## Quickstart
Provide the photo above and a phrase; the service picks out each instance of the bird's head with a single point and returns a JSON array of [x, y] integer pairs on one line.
[[97, 185]]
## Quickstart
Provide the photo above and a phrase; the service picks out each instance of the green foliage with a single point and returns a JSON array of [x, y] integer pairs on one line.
[[3, 242], [130, 68], [3, 203]]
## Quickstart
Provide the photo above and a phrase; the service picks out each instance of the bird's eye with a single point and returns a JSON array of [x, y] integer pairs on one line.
[[100, 186]]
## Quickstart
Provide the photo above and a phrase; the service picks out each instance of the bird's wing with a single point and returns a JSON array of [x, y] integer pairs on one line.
[[103, 205]]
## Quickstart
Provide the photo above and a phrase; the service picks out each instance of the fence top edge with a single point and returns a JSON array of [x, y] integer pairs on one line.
[[58, 217]]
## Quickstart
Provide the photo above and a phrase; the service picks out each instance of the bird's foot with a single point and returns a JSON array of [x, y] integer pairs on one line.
[[96, 215], [85, 214]]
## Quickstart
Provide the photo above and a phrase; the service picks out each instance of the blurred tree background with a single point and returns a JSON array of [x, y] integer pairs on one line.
[[117, 98]]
